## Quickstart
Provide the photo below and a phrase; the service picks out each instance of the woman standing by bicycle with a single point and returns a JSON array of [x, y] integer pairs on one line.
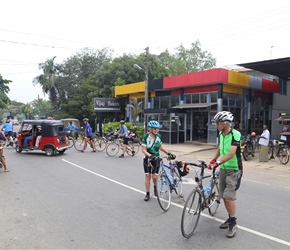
[[151, 144]]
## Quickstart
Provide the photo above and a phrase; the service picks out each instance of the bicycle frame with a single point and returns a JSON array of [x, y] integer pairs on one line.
[[173, 172]]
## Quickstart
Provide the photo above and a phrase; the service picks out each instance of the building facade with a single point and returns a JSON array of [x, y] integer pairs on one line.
[[185, 104]]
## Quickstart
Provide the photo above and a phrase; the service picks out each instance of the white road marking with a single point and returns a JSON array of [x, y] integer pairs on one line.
[[269, 237]]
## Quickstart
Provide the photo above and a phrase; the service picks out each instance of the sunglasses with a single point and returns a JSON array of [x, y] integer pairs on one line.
[[155, 128]]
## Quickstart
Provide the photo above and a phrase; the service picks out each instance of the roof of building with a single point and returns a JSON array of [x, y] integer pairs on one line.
[[277, 67]]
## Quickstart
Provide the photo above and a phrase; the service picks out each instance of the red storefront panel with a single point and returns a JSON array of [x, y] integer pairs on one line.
[[196, 78]]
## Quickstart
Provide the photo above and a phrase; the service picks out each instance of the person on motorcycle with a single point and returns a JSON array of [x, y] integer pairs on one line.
[[8, 130], [3, 160]]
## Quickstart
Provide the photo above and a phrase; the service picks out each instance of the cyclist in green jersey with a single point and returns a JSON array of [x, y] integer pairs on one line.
[[151, 145], [228, 157]]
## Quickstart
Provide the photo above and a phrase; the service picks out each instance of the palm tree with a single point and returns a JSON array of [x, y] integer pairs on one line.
[[136, 109], [47, 79]]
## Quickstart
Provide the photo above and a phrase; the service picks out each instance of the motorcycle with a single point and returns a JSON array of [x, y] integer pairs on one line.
[[247, 146]]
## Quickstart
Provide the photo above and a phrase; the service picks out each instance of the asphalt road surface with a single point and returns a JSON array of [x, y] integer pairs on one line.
[[93, 201]]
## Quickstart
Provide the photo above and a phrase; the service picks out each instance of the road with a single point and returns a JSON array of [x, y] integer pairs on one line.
[[92, 201]]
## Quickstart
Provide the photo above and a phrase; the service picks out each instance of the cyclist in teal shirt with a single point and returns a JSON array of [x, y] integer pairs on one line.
[[151, 145], [228, 157]]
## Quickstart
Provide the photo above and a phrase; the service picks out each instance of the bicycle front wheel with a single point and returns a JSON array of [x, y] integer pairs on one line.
[[100, 144], [214, 198], [283, 155], [112, 149], [79, 144], [163, 191], [191, 213]]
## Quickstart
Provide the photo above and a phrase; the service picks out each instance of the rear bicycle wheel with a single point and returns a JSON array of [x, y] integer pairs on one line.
[[163, 191], [71, 142], [112, 148], [214, 198], [100, 144], [283, 155], [134, 147], [191, 213], [79, 144]]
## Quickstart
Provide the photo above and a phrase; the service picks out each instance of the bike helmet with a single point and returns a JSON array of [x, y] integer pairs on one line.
[[86, 119], [223, 116], [154, 124], [253, 134], [122, 122]]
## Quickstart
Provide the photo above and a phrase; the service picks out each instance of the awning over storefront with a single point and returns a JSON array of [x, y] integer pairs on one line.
[[194, 105]]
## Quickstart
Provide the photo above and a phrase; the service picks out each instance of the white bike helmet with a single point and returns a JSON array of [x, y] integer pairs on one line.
[[223, 116]]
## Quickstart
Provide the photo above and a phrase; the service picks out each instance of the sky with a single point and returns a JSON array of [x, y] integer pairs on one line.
[[233, 31]]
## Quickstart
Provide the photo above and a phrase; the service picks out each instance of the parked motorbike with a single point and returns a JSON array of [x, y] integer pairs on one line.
[[248, 146]]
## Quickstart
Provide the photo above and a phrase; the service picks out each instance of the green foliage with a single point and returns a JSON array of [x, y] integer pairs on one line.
[[111, 126], [4, 89]]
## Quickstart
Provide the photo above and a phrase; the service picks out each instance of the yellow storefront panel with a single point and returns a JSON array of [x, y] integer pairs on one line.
[[238, 78], [129, 89], [232, 89]]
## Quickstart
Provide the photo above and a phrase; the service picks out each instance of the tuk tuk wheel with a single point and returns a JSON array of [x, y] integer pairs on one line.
[[49, 151], [18, 149]]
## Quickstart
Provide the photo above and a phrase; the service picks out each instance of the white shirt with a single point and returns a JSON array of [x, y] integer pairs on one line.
[[265, 134]]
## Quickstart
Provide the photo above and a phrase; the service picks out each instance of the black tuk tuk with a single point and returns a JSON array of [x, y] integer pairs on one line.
[[45, 135]]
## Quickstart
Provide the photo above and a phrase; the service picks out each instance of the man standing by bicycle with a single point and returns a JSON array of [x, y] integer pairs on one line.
[[124, 133], [89, 136], [264, 142], [228, 157], [151, 144]]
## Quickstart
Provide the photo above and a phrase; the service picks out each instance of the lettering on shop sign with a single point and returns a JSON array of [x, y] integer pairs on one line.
[[106, 104]]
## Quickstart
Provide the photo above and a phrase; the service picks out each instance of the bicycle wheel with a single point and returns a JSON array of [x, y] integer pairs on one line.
[[191, 213], [79, 144], [214, 198], [271, 151], [246, 154], [100, 144], [71, 142], [283, 155], [163, 191], [113, 148], [134, 147], [178, 184]]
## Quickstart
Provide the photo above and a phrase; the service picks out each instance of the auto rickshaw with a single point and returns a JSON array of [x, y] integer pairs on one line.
[[77, 125], [53, 139]]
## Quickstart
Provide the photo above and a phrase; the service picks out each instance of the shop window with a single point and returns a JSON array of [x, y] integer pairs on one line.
[[195, 98], [164, 102], [174, 100], [213, 97], [283, 87], [225, 99], [156, 101]]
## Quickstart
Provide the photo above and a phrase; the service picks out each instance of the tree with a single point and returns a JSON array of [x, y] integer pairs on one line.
[[136, 109], [4, 89], [47, 79]]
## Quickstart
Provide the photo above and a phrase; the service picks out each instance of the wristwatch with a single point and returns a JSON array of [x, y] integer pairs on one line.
[[218, 162]]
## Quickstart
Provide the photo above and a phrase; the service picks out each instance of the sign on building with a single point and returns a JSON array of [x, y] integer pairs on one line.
[[106, 104]]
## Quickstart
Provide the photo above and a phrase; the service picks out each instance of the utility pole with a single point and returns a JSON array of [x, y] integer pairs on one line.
[[146, 97]]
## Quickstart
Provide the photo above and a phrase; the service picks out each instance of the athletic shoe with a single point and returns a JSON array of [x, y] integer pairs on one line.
[[225, 225], [147, 197], [121, 156], [133, 153], [232, 230]]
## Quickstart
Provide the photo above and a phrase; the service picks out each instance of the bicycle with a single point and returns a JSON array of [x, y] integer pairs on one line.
[[100, 142], [171, 181], [278, 149], [79, 143], [114, 146], [197, 201]]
